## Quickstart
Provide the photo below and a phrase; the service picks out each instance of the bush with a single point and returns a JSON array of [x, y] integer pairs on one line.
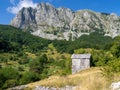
[[28, 77], [23, 61], [8, 77], [38, 64], [10, 83], [9, 73]]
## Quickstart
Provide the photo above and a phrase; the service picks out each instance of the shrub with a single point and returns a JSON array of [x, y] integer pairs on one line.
[[8, 77], [10, 83], [28, 77]]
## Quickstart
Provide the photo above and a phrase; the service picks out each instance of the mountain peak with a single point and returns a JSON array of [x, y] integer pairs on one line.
[[62, 23], [43, 4]]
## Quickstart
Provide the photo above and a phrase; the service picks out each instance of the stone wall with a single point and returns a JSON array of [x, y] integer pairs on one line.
[[80, 62]]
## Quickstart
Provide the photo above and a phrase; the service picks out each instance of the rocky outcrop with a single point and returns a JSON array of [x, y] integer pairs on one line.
[[115, 86], [25, 19], [22, 87], [62, 23], [53, 88], [25, 87]]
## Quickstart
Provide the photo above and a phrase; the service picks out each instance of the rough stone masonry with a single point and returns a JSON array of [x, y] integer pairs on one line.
[[80, 62]]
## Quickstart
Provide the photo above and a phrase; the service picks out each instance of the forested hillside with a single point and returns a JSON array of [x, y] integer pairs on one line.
[[25, 58]]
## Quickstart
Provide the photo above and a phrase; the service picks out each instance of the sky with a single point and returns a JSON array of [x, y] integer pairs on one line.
[[9, 8]]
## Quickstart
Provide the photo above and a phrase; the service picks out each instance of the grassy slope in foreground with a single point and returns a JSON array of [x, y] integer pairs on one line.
[[90, 79]]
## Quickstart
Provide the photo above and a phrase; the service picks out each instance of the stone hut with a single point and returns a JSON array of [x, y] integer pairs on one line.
[[80, 62]]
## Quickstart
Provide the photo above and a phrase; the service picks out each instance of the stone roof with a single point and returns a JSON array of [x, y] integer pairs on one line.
[[81, 56]]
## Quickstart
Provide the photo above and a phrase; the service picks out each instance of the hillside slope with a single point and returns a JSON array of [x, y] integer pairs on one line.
[[26, 58], [90, 79]]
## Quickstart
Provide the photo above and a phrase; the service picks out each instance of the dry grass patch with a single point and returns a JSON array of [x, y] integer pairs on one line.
[[90, 79]]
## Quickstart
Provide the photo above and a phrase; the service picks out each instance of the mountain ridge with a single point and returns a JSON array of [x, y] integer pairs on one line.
[[49, 22]]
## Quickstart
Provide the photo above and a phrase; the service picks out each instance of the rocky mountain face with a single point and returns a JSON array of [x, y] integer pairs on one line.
[[49, 22]]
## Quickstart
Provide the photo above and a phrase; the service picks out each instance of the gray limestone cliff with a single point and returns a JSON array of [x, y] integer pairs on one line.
[[49, 22]]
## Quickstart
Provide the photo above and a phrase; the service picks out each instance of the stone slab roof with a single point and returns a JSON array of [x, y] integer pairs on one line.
[[80, 56]]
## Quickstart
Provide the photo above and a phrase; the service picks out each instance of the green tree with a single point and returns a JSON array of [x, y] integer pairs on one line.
[[115, 49], [38, 64]]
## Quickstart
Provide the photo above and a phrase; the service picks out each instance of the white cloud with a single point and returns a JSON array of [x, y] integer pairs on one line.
[[12, 2], [22, 3]]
